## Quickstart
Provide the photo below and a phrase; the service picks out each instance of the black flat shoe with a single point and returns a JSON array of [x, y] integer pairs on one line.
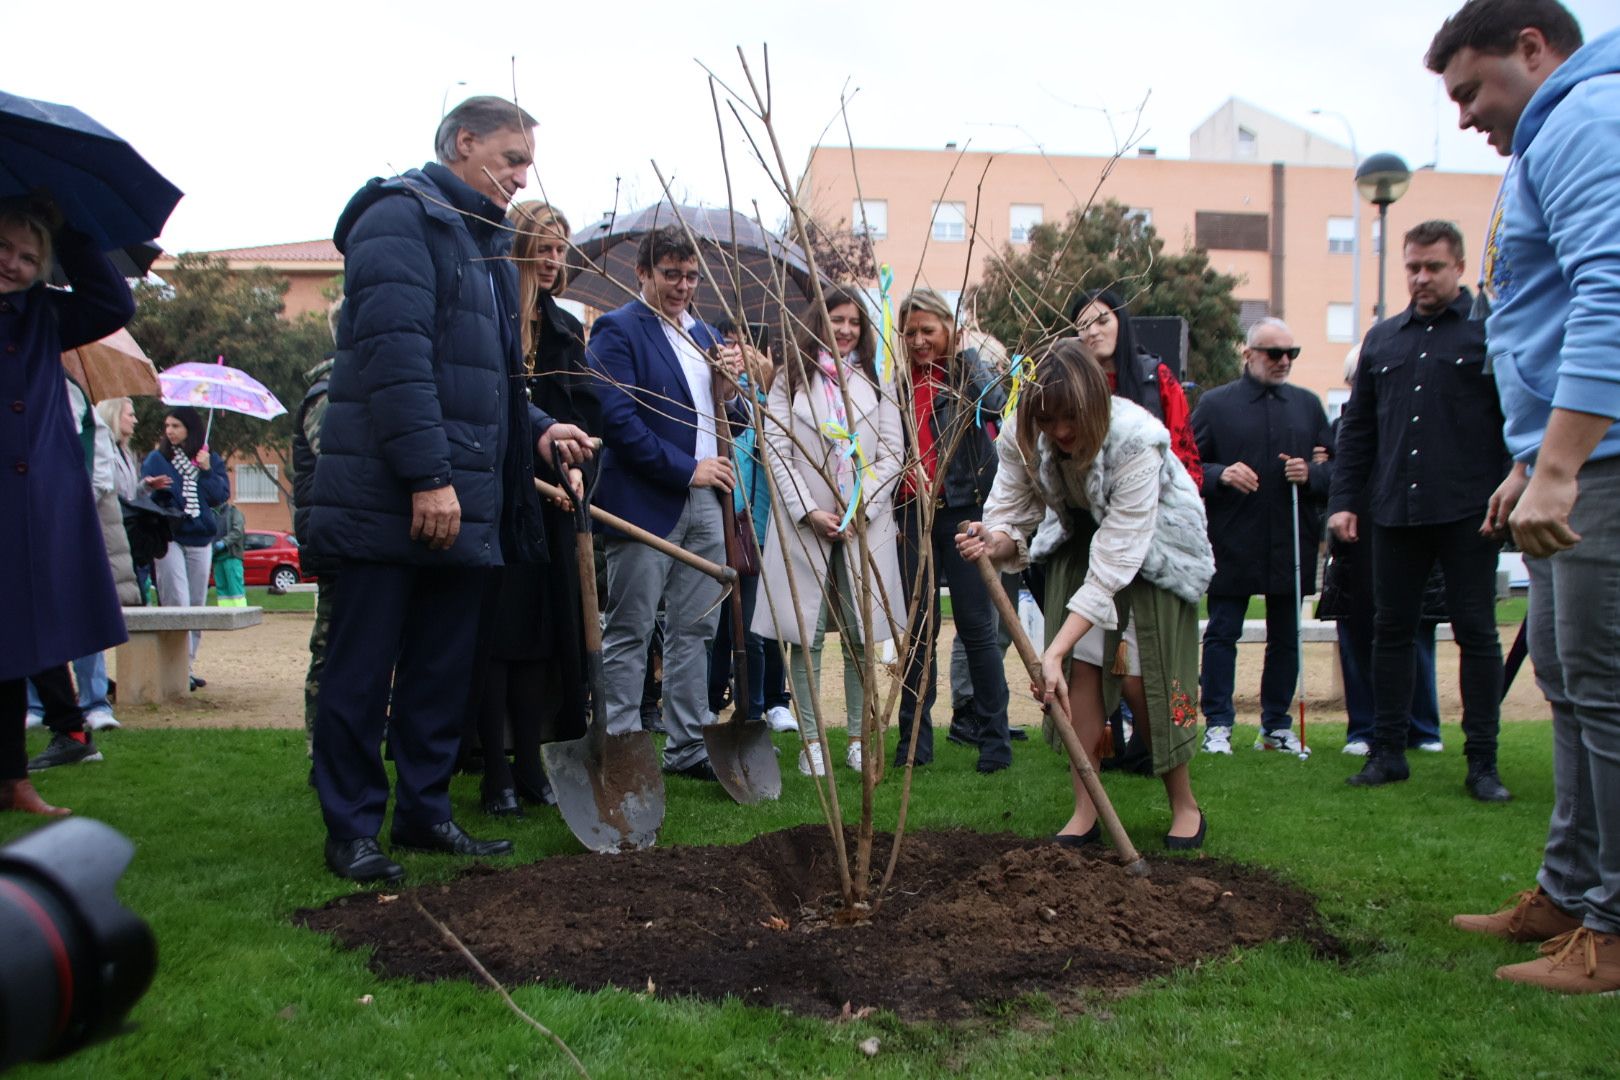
[[700, 771], [502, 803], [1017, 734], [446, 838], [537, 794], [1075, 841], [1188, 843], [1380, 769], [361, 861], [988, 767], [1484, 785]]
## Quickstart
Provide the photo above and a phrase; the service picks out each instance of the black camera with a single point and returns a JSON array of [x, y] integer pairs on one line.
[[74, 960]]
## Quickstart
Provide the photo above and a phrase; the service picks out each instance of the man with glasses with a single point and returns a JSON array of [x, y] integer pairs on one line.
[[1420, 445], [1259, 438], [662, 469]]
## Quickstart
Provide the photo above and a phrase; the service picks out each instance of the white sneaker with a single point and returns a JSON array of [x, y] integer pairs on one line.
[[810, 762], [100, 719], [780, 718], [1217, 740], [1281, 740], [1357, 748], [1433, 746], [852, 756], [36, 720]]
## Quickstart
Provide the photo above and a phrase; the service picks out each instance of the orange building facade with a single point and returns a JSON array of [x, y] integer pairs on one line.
[[938, 216]]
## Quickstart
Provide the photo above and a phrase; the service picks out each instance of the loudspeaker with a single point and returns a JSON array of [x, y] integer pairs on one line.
[[1165, 336]]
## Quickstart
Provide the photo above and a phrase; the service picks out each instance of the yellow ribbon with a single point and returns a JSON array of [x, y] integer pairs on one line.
[[839, 433]]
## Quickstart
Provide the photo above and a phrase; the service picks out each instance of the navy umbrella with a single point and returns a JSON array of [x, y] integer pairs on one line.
[[752, 271], [99, 183]]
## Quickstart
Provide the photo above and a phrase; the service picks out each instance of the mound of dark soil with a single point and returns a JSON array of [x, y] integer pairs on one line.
[[971, 920]]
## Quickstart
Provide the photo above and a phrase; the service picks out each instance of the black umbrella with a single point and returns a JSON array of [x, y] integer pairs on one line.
[[749, 272], [132, 261], [98, 182]]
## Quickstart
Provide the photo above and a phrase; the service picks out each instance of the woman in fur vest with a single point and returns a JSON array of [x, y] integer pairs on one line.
[[1125, 542]]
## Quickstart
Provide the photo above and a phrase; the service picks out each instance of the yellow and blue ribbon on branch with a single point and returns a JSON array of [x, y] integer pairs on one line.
[[839, 433], [1017, 374], [886, 311]]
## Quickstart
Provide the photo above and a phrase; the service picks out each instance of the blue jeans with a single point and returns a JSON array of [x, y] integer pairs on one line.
[[90, 672], [1220, 660], [1355, 660]]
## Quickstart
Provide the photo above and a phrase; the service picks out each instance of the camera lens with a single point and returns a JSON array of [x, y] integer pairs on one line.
[[75, 959]]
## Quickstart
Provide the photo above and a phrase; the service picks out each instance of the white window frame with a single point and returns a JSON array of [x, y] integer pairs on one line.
[[1341, 235], [870, 218], [1021, 218], [1248, 144], [1143, 215], [948, 223], [1341, 323], [263, 477]]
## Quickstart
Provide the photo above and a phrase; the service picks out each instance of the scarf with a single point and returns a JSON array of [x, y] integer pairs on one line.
[[924, 385], [838, 426], [188, 480]]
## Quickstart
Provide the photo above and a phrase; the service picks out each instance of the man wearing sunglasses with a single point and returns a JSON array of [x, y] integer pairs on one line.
[[1420, 446], [1257, 437], [662, 469]]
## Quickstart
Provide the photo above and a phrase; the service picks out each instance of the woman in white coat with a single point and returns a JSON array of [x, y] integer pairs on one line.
[[816, 586]]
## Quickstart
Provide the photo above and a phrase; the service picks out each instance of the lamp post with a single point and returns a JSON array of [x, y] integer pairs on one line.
[[1355, 226], [1382, 179]]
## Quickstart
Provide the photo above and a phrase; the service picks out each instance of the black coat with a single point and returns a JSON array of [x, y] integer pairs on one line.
[[1252, 535], [59, 600], [421, 394]]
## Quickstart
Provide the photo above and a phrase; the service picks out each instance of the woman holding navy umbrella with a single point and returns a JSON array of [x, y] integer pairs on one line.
[[61, 603]]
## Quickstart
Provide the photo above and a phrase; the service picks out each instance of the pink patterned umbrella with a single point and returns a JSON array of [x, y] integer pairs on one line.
[[215, 386]]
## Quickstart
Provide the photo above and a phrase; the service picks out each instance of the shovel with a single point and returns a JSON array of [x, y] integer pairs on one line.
[[608, 787], [1134, 863], [740, 750]]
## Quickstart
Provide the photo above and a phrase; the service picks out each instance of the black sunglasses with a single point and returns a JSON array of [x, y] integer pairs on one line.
[[1275, 353]]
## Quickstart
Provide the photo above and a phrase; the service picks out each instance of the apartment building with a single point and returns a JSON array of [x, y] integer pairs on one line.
[[1272, 202]]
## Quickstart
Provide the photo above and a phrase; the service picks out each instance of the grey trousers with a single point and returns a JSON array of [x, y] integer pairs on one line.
[[637, 578], [182, 580], [839, 591], [1574, 640]]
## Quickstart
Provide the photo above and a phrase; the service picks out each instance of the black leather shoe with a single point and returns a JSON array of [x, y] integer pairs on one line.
[[1380, 769], [702, 770], [538, 793], [964, 730], [1484, 785], [1188, 843], [1074, 841], [503, 803], [361, 861], [1016, 733], [988, 767], [446, 838]]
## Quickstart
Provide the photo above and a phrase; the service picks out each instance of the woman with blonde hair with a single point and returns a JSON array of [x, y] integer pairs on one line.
[[820, 486], [1125, 541], [955, 402], [533, 674]]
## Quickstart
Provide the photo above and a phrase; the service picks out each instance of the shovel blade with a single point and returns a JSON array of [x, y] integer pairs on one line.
[[608, 789], [744, 758]]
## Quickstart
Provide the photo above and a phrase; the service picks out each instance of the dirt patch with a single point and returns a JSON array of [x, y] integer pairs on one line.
[[976, 920]]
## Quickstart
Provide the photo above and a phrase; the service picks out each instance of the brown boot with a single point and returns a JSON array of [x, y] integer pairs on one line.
[[1531, 917], [20, 795], [1580, 962]]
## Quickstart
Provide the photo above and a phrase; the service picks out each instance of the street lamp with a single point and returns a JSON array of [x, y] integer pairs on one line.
[[1355, 227], [1382, 179]]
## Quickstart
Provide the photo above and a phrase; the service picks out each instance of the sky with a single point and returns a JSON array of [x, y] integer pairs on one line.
[[269, 116]]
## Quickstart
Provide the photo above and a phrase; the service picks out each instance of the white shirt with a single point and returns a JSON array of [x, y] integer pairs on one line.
[[699, 380]]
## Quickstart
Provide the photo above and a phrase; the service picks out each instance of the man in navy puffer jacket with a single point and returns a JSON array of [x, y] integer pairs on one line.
[[424, 481]]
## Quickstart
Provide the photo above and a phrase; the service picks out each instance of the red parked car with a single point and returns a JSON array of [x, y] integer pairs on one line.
[[271, 558]]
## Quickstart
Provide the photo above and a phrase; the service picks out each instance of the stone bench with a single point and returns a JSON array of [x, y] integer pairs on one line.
[[154, 664]]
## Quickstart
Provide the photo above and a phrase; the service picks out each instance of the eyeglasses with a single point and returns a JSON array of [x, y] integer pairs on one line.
[[1275, 353], [673, 276]]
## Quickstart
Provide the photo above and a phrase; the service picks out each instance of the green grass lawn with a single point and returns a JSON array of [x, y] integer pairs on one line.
[[229, 842]]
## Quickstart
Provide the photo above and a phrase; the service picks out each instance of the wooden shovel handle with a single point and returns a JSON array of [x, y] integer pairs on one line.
[[725, 575], [1060, 718]]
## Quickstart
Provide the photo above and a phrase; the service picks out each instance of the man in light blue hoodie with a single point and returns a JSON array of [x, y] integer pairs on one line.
[[1519, 73]]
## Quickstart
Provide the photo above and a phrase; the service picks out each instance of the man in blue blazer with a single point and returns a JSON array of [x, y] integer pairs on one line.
[[662, 469]]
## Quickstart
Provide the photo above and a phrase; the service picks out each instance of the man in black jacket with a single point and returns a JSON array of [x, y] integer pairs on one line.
[[1421, 441], [1257, 438], [423, 481]]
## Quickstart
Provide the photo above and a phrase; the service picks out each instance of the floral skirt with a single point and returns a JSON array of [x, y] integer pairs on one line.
[[1167, 644]]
